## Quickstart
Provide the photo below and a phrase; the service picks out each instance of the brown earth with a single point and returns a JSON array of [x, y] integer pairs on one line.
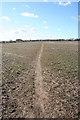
[[35, 91]]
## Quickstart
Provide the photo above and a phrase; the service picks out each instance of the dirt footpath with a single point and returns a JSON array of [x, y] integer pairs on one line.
[[41, 95]]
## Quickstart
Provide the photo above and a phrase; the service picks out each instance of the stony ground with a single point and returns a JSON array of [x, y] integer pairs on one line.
[[40, 80]]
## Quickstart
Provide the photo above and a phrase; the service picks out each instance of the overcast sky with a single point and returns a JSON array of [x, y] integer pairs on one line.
[[39, 20]]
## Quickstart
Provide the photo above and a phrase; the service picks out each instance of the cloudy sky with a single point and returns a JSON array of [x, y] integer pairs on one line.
[[39, 20]]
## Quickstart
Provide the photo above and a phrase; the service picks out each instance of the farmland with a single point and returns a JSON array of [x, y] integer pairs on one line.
[[40, 79]]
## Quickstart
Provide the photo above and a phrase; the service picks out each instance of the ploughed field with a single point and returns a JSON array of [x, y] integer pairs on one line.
[[40, 80]]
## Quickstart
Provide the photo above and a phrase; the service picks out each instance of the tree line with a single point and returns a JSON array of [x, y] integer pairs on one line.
[[20, 40]]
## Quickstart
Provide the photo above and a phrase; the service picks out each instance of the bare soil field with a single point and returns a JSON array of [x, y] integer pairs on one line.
[[40, 80]]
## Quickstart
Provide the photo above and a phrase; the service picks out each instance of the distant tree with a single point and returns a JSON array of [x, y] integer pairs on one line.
[[10, 41], [3, 42], [19, 40], [77, 39]]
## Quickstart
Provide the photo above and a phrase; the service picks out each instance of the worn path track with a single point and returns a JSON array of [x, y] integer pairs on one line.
[[41, 95]]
